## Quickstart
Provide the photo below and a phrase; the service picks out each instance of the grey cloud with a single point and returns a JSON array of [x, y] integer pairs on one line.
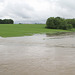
[[70, 4], [67, 8], [2, 0], [21, 10], [31, 11]]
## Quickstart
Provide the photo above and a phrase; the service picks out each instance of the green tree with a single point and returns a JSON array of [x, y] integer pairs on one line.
[[57, 23], [71, 21], [7, 21], [50, 23], [1, 21]]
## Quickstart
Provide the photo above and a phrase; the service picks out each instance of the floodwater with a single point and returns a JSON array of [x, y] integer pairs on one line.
[[39, 54]]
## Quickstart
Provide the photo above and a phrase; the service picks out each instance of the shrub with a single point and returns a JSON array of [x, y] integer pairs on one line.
[[57, 23], [50, 23], [71, 21], [69, 26]]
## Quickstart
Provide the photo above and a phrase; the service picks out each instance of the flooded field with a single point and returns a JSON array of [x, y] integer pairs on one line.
[[37, 55]]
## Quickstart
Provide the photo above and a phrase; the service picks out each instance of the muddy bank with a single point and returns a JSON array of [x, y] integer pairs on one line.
[[37, 54], [60, 34]]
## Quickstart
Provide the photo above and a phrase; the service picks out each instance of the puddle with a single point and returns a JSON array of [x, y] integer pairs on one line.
[[37, 54]]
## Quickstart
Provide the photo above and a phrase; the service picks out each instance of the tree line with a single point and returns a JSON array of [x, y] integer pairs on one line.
[[6, 21], [60, 23]]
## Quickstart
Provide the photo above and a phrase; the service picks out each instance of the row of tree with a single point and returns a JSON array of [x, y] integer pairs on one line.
[[60, 23], [6, 21]]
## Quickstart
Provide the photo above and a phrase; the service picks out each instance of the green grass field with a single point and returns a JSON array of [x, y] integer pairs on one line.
[[13, 30]]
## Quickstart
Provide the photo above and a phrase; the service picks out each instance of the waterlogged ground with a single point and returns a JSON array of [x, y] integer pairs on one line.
[[37, 55]]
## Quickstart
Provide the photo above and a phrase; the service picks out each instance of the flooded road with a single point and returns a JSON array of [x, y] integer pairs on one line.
[[37, 55]]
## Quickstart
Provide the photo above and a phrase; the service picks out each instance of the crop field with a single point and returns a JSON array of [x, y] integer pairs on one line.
[[13, 30]]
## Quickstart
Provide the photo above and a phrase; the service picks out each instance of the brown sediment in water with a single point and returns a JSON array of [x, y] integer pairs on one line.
[[60, 34], [37, 54]]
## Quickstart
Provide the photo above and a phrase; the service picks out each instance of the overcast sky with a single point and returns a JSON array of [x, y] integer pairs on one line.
[[36, 11]]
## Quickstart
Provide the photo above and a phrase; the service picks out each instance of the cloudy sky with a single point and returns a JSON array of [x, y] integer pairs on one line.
[[36, 11]]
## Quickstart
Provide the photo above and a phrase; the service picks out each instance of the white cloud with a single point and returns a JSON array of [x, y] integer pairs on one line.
[[31, 11]]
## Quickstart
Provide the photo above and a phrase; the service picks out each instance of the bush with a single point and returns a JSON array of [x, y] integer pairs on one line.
[[50, 23], [6, 21], [71, 21], [69, 26], [57, 23]]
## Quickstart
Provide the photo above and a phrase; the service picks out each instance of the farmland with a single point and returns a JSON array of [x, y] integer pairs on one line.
[[14, 30]]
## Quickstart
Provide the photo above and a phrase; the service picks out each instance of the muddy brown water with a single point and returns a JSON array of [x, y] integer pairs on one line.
[[37, 55]]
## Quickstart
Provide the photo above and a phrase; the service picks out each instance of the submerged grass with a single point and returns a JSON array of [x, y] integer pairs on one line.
[[12, 30]]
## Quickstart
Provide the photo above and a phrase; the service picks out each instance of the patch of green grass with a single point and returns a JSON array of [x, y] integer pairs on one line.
[[12, 30]]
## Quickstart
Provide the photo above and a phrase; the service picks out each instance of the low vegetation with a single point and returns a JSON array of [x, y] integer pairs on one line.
[[53, 26], [12, 30]]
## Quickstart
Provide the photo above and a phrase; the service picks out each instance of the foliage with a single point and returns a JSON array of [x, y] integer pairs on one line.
[[69, 26], [50, 23], [57, 23], [6, 21], [71, 21]]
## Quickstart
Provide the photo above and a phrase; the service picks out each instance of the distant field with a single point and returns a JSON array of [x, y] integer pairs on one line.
[[12, 30]]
